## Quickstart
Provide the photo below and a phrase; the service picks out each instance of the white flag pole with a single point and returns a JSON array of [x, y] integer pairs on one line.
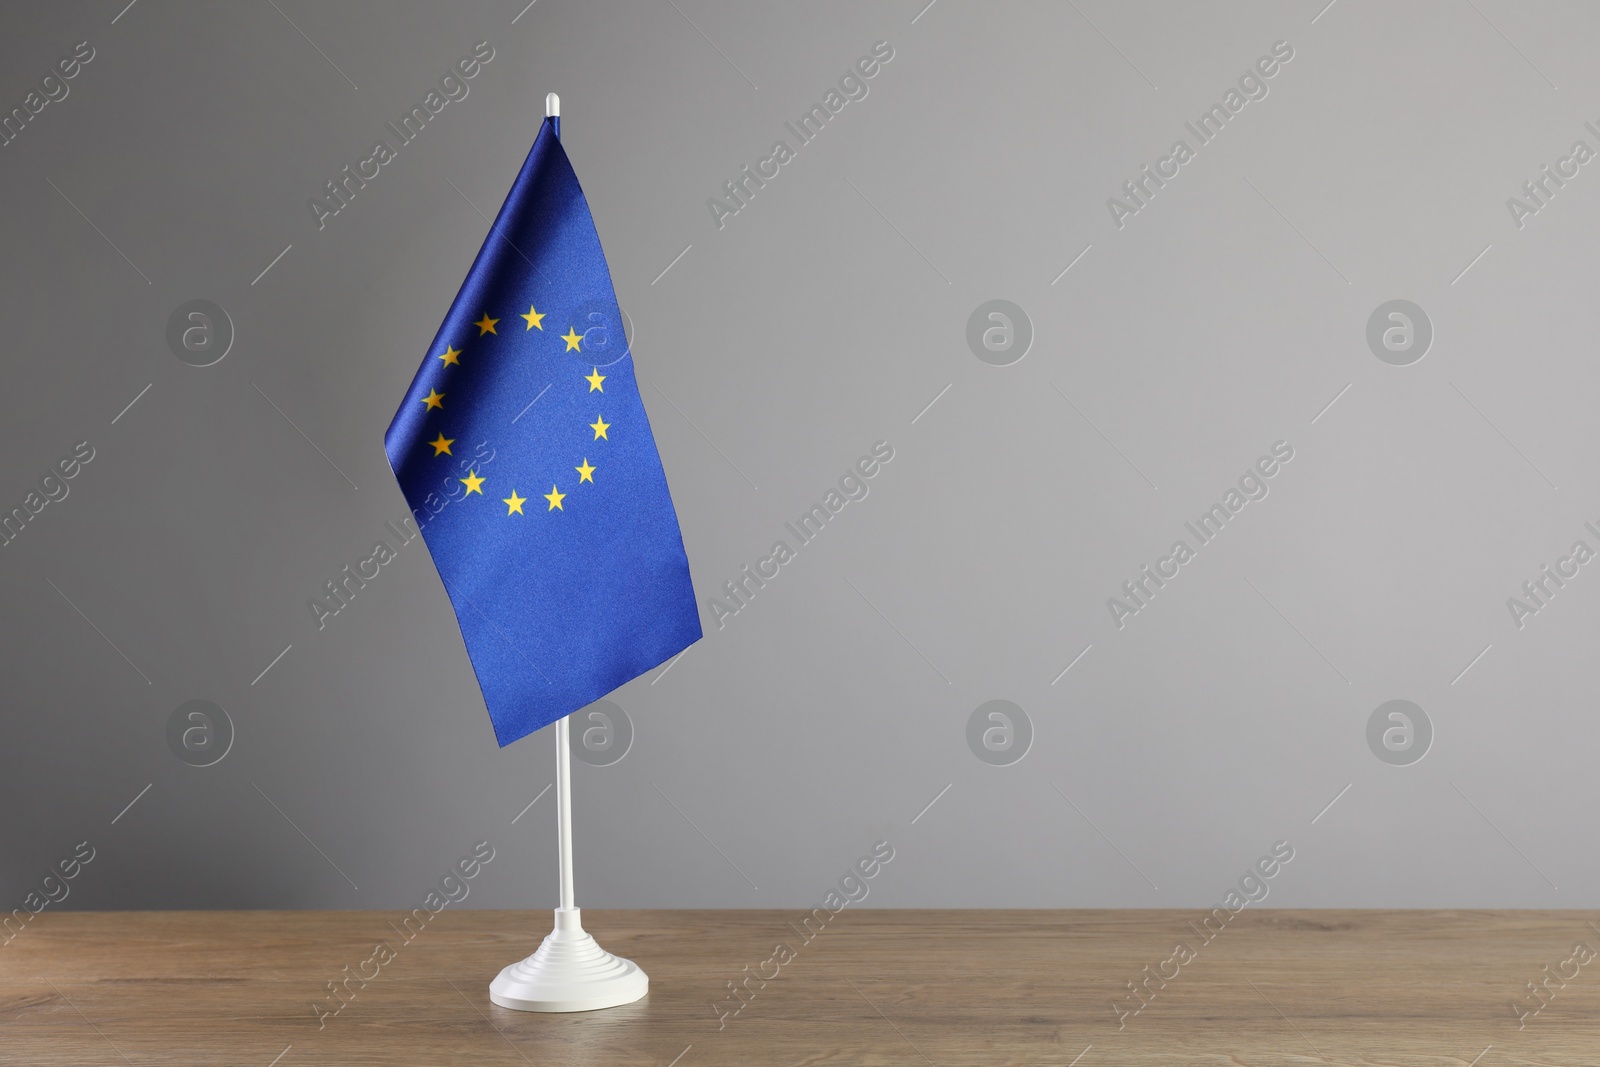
[[569, 972], [564, 811]]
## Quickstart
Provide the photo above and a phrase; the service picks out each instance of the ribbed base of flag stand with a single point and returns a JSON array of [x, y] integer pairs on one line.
[[569, 972]]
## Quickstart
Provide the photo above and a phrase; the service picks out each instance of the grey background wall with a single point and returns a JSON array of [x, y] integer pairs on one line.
[[1171, 348]]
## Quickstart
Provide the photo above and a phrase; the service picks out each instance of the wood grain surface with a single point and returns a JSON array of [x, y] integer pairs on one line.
[[874, 987]]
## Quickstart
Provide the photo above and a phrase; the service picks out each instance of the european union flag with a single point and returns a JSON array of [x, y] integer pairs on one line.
[[525, 454]]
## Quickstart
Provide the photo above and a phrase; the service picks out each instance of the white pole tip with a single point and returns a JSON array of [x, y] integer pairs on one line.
[[552, 106]]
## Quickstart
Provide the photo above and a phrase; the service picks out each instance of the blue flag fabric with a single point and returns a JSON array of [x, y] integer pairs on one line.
[[523, 449]]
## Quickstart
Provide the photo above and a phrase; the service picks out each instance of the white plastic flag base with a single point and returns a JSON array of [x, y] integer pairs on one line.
[[569, 972]]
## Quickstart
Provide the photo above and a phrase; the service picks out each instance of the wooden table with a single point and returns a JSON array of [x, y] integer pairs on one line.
[[874, 987]]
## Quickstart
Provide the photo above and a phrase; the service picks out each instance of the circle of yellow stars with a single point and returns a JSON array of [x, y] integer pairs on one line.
[[451, 357]]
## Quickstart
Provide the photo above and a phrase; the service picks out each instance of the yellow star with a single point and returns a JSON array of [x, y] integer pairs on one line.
[[600, 426], [514, 503], [441, 447], [594, 379], [472, 481], [555, 496], [585, 472], [534, 318], [434, 399], [450, 354], [486, 325], [573, 338]]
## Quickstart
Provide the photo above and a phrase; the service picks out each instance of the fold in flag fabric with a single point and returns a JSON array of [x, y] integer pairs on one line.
[[524, 452]]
